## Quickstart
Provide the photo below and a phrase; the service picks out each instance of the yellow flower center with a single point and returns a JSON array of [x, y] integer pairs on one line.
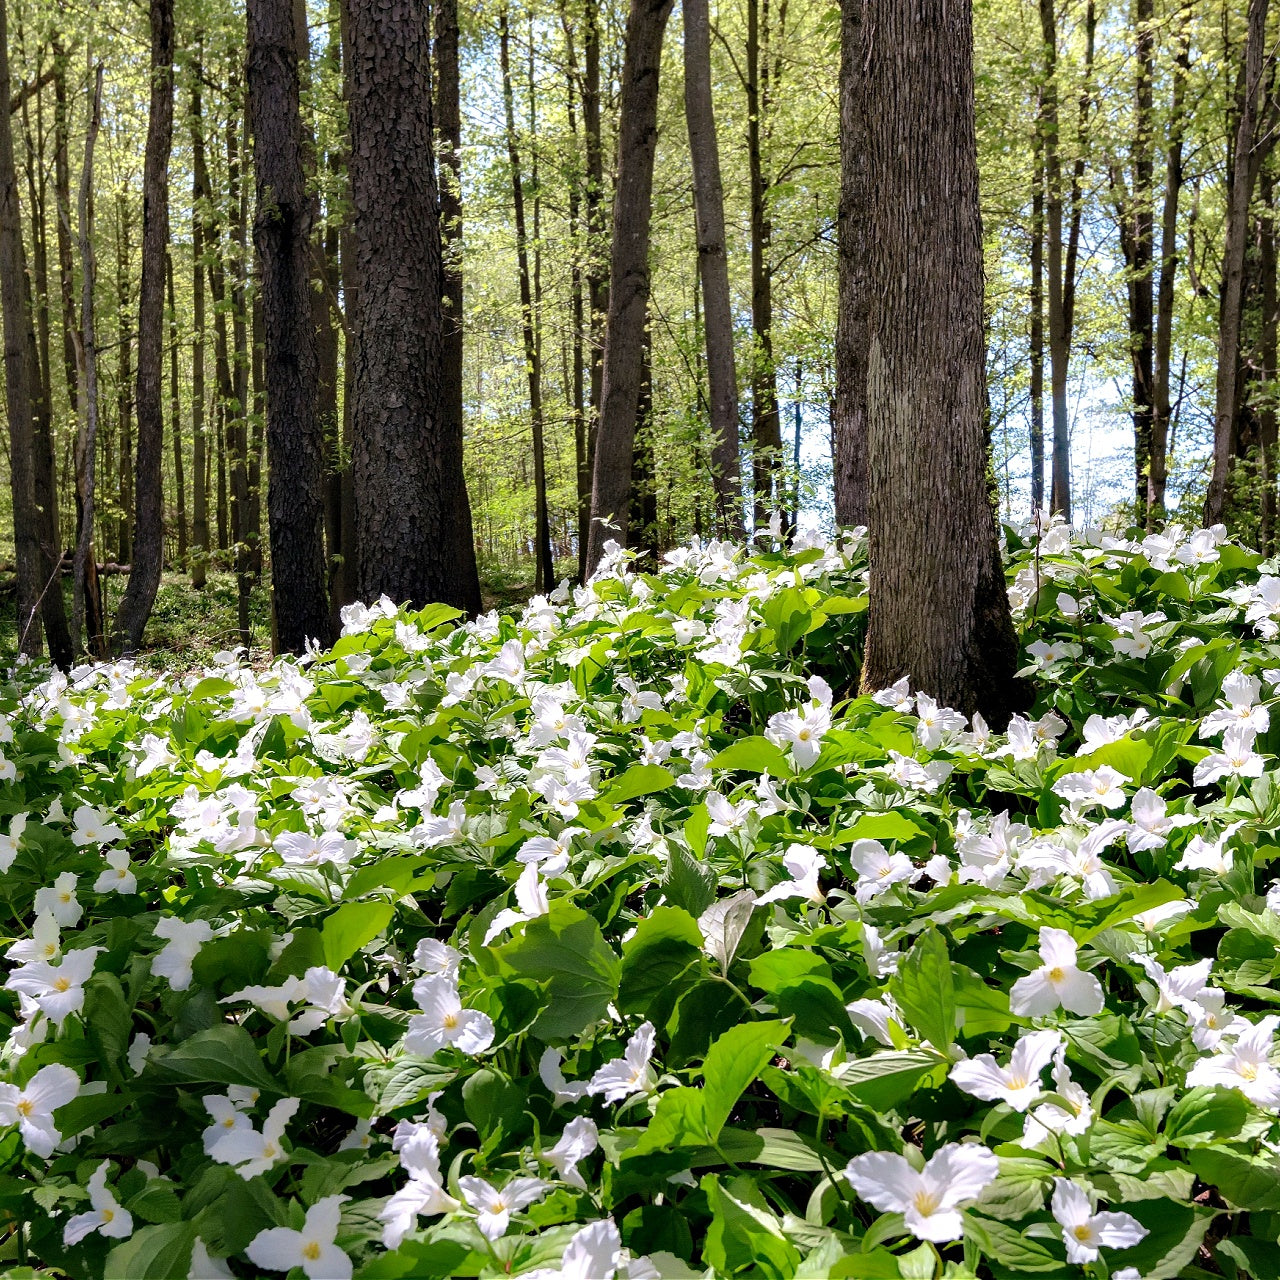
[[1056, 974], [926, 1202], [108, 1214], [1248, 1070], [229, 1122], [61, 984], [311, 1251], [1082, 1232], [270, 1151], [1017, 1082], [24, 1108], [450, 1021]]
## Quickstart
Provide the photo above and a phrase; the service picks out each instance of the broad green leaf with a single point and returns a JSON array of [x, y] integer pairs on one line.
[[1204, 1115], [665, 945], [732, 1063], [753, 755], [152, 1253], [1252, 1182], [885, 1079], [925, 991], [352, 926], [745, 1232], [226, 1054], [639, 780], [566, 950]]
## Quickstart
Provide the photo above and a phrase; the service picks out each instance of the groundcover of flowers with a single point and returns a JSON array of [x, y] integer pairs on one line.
[[621, 938]]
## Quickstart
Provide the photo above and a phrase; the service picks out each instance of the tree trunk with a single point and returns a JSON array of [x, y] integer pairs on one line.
[[199, 449], [1142, 232], [850, 425], [124, 390], [766, 449], [597, 256], [86, 593], [243, 533], [408, 457], [148, 552], [1267, 351], [1159, 470], [175, 415], [939, 611], [629, 276], [62, 192], [1230, 317], [713, 267], [545, 574], [281, 234], [1037, 313], [26, 527]]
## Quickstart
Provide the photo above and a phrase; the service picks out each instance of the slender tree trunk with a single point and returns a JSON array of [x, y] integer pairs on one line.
[[199, 448], [1141, 295], [1037, 313], [62, 191], [148, 552], [713, 267], [1231, 310], [86, 593], [125, 389], [1267, 351], [629, 276], [243, 534], [26, 527], [281, 234], [175, 414], [849, 431], [577, 379], [767, 425], [408, 457], [224, 503], [939, 610], [1159, 469], [544, 564], [597, 255]]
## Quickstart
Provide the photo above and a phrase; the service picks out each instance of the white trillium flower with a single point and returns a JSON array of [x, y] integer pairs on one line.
[[57, 988], [118, 877], [1058, 983], [593, 1253], [1177, 988], [629, 1074], [1091, 787], [1151, 824], [424, 1193], [59, 901], [227, 1118], [12, 842], [31, 1107], [313, 1248], [1244, 1065], [1085, 1232], [493, 1207], [443, 1021], [206, 1267], [92, 826], [1050, 1118], [1236, 759], [1018, 1084], [877, 869], [551, 1075], [435, 959], [531, 902], [44, 944], [105, 1217], [184, 938], [579, 1140], [253, 1152], [803, 866], [929, 1199]]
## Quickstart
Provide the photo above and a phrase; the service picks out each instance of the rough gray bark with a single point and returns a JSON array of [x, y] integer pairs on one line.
[[281, 231], [713, 267], [86, 595], [850, 427], [408, 458], [1244, 174], [939, 611], [26, 535], [629, 276], [148, 551], [175, 418], [199, 450], [1037, 317]]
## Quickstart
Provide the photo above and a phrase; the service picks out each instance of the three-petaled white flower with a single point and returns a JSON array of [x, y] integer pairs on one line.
[[1018, 1084], [629, 1074], [1058, 983], [31, 1107], [118, 877], [57, 988], [1084, 1232], [493, 1207], [579, 1140], [928, 1198], [105, 1217], [183, 940], [1244, 1065], [803, 867], [423, 1193], [443, 1020], [253, 1152], [313, 1248]]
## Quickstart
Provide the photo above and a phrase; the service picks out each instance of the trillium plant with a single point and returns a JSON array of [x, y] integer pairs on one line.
[[623, 935]]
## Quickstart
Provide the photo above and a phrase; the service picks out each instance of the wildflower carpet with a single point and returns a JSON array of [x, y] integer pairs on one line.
[[619, 938]]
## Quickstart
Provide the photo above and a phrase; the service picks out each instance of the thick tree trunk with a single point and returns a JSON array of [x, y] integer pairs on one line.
[[86, 594], [629, 276], [939, 610], [850, 426], [1157, 476], [713, 267], [175, 417], [1231, 310], [199, 448], [243, 524], [545, 573], [26, 528], [408, 458], [281, 232], [62, 191], [1267, 352], [148, 552], [1141, 239], [125, 385], [766, 450]]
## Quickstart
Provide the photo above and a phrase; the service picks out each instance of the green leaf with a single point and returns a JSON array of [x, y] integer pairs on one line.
[[733, 1063], [1252, 1182], [665, 945], [352, 926], [689, 883], [1204, 1115], [885, 827], [788, 615], [107, 1020], [566, 950], [226, 1054], [745, 1232], [639, 780], [925, 990], [152, 1253], [753, 755], [885, 1079], [1175, 1233], [1008, 1246], [406, 1084]]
